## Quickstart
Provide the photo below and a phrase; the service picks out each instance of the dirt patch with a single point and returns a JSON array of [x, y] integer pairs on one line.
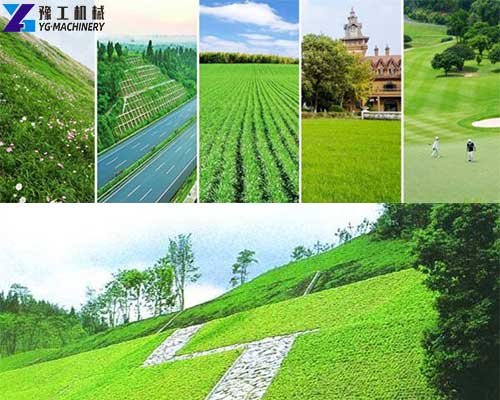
[[487, 123]]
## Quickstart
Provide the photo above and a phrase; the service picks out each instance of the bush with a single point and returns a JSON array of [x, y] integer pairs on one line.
[[446, 39], [408, 39]]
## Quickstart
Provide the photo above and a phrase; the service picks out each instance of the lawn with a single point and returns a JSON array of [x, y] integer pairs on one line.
[[436, 105], [368, 344], [249, 127], [357, 260], [348, 161]]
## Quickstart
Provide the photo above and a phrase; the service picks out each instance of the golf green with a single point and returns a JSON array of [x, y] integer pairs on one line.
[[436, 105]]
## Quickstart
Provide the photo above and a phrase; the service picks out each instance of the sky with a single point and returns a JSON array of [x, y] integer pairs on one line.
[[58, 250], [381, 20], [254, 27]]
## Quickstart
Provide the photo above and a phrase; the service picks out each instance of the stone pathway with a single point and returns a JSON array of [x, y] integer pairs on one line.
[[250, 375]]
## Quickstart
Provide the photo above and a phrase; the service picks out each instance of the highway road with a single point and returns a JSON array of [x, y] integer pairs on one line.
[[112, 162], [161, 177]]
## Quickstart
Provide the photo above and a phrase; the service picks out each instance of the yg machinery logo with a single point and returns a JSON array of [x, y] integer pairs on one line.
[[17, 23]]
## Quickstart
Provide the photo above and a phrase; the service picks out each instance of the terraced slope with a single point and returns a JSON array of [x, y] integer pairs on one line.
[[249, 133], [146, 94], [367, 346], [436, 105], [46, 123], [360, 259]]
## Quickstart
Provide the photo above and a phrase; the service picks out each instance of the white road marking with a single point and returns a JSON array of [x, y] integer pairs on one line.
[[170, 170], [135, 145], [178, 148], [149, 191], [145, 146], [187, 151], [112, 161], [161, 165], [133, 191], [119, 165]]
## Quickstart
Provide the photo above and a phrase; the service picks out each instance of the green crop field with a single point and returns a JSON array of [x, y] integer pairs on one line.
[[436, 105], [249, 126], [357, 260], [46, 123], [368, 344], [351, 161]]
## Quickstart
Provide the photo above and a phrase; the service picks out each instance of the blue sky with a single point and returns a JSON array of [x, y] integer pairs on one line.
[[256, 26], [58, 250], [381, 20]]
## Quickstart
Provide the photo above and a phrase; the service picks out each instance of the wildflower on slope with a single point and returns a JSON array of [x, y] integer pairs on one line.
[[9, 149], [19, 187], [22, 200]]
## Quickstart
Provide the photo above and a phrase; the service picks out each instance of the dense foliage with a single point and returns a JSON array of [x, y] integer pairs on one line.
[[331, 77], [249, 141], [46, 123], [459, 251], [28, 324], [242, 58]]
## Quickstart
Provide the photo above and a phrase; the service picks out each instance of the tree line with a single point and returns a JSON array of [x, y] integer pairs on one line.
[[243, 58], [333, 79]]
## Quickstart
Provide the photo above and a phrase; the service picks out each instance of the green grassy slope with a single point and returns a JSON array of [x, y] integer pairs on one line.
[[446, 107], [360, 259], [351, 161], [46, 123], [368, 343]]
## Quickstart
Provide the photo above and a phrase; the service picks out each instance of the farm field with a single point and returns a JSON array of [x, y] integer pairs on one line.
[[46, 123], [249, 133], [357, 260], [351, 161], [384, 319], [446, 107]]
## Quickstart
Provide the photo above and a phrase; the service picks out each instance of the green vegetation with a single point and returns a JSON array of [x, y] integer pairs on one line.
[[185, 189], [446, 107], [249, 133], [136, 89], [242, 58], [385, 316], [332, 78], [350, 161], [46, 123]]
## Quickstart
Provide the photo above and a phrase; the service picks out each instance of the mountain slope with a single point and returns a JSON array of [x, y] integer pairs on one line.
[[46, 123], [367, 345], [357, 260]]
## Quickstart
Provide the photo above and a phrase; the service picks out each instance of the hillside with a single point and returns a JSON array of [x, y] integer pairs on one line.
[[357, 260], [46, 123], [365, 344]]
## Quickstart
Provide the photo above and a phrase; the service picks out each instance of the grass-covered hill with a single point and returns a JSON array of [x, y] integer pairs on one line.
[[357, 260], [368, 345], [46, 123]]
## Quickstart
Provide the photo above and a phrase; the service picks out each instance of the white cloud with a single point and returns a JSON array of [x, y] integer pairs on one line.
[[198, 293], [214, 43], [256, 36], [288, 48], [259, 14]]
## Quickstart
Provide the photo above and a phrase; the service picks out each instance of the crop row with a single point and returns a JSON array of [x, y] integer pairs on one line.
[[249, 133]]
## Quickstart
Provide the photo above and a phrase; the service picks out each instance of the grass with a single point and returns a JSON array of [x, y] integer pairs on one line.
[[359, 259], [46, 123], [249, 133], [446, 107], [368, 346], [351, 160]]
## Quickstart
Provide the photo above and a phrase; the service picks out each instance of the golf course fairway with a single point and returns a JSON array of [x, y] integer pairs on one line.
[[447, 106]]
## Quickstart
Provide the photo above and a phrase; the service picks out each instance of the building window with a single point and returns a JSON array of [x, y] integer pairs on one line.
[[390, 87]]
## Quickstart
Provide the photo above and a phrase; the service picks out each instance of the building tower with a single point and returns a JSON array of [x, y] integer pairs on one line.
[[354, 39]]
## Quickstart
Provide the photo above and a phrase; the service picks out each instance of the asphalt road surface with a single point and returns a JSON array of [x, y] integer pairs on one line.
[[161, 177], [111, 163]]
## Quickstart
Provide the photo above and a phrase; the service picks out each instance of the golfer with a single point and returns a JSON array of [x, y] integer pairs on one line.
[[435, 148], [471, 148]]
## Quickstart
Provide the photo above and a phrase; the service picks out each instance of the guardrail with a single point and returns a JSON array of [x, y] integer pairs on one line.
[[385, 115]]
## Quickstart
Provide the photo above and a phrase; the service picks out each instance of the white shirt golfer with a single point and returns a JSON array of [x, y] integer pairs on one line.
[[435, 148]]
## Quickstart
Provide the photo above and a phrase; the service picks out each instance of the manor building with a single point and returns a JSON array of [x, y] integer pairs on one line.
[[386, 87]]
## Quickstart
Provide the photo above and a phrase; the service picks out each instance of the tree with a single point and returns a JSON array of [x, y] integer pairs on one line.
[[181, 256], [459, 252], [159, 286], [150, 51], [494, 55], [301, 253], [118, 48], [402, 220], [110, 49], [487, 10], [458, 24], [133, 281], [480, 43], [446, 61], [462, 50], [101, 51], [240, 267]]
